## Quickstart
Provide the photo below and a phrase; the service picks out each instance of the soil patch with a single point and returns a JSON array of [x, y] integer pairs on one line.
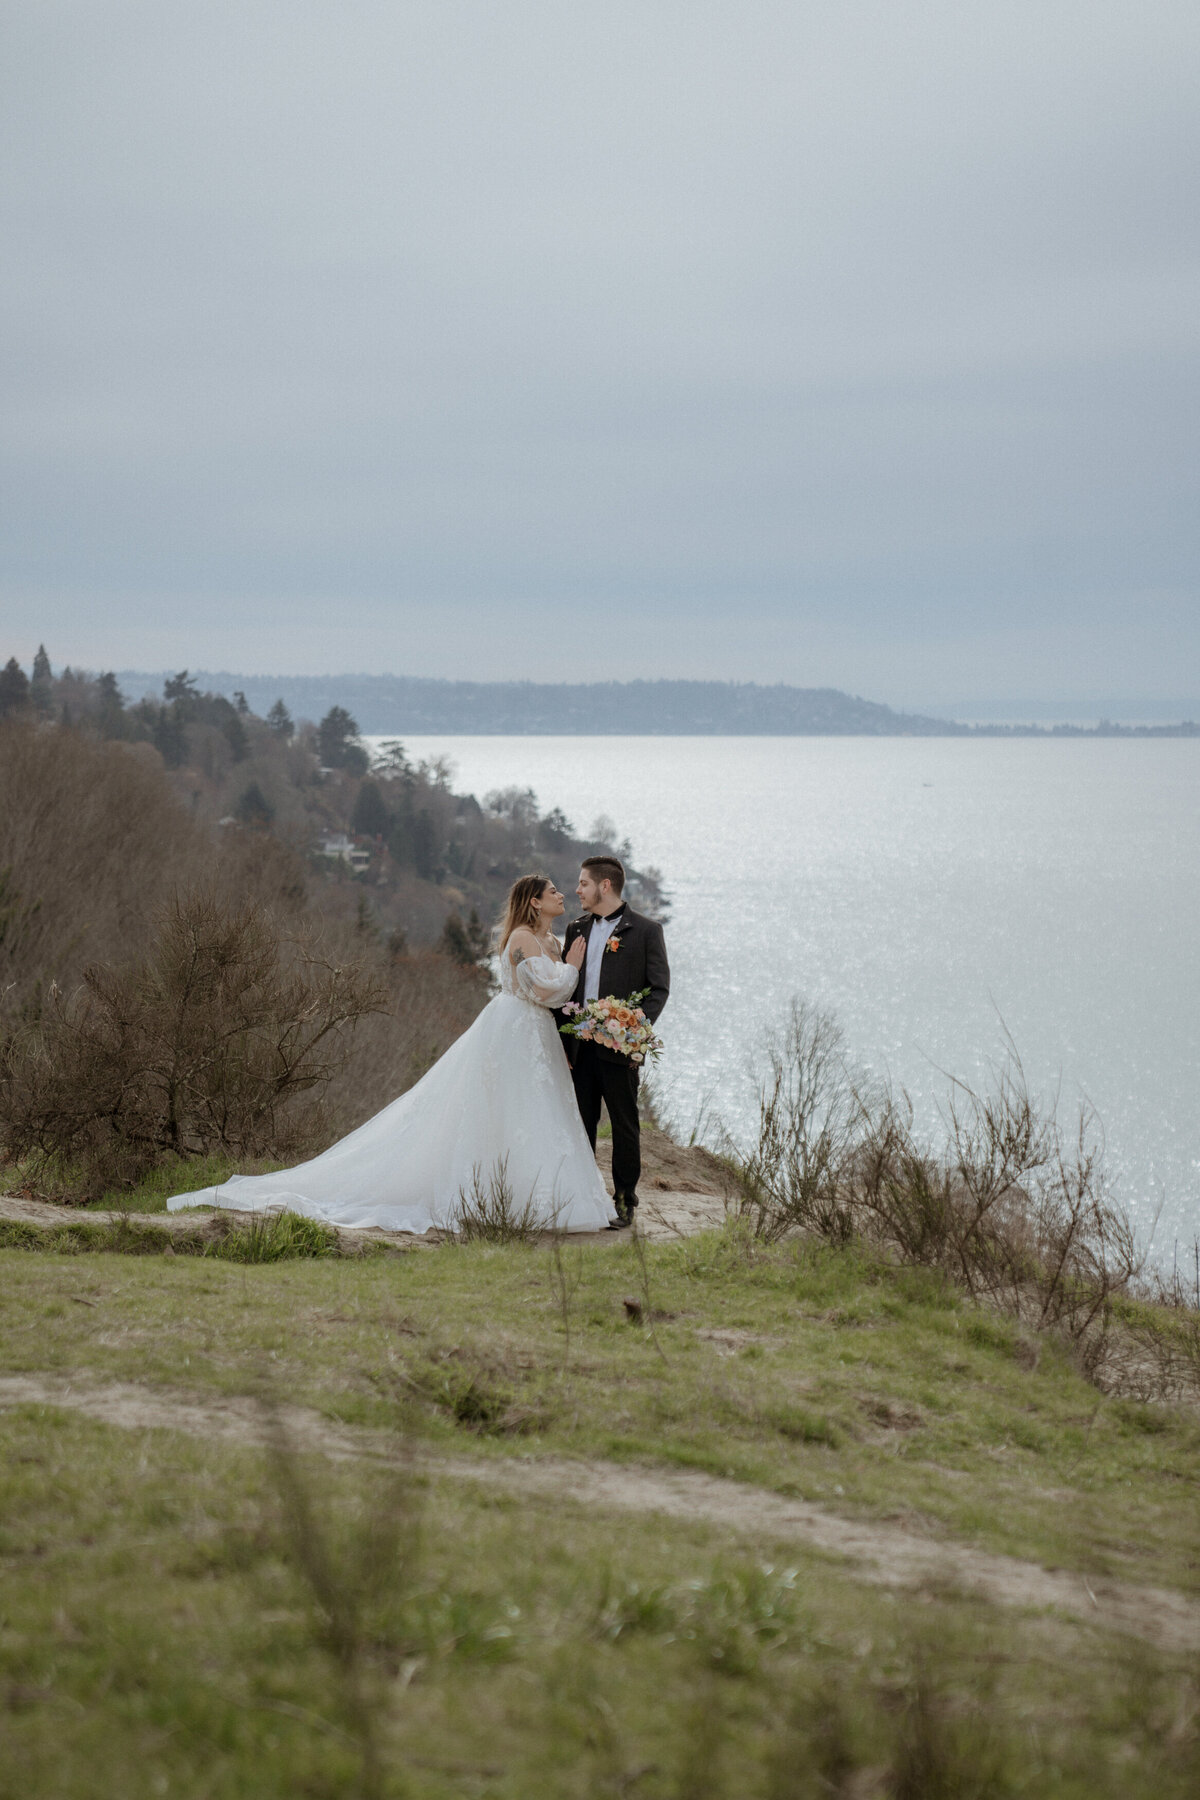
[[669, 1168]]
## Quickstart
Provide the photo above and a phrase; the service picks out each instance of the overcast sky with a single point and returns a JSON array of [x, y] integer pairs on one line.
[[834, 343]]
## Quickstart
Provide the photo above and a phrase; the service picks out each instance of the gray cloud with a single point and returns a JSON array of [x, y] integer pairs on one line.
[[848, 343]]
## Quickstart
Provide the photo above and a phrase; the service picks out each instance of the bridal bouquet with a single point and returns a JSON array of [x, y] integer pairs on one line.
[[614, 1024]]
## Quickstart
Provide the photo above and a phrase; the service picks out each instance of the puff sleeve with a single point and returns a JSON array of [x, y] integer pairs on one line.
[[545, 981]]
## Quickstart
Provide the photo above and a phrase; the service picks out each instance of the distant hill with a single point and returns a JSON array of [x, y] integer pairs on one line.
[[385, 704]]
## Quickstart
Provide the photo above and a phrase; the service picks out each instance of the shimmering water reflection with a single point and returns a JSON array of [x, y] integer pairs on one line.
[[925, 891]]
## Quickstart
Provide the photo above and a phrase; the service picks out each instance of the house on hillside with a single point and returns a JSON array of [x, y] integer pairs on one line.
[[340, 848]]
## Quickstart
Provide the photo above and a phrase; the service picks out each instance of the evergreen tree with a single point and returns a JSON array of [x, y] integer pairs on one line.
[[235, 735], [370, 817], [399, 838], [280, 720], [169, 736], [112, 706], [390, 759], [181, 687], [337, 742], [41, 689], [254, 808], [243, 705], [14, 688], [465, 943], [556, 830]]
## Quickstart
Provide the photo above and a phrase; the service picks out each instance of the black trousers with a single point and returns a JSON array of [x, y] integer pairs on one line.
[[616, 1084]]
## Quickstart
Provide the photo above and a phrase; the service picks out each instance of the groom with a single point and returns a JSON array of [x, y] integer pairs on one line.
[[619, 952]]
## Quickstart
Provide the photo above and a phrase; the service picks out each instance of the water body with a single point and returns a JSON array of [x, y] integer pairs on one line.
[[929, 893]]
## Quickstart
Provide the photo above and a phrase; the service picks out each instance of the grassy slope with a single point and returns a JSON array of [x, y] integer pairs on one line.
[[153, 1613]]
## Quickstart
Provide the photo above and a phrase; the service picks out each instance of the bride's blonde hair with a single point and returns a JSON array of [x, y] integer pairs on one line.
[[520, 908]]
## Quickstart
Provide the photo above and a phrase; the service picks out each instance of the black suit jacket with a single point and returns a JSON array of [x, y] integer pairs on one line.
[[640, 961]]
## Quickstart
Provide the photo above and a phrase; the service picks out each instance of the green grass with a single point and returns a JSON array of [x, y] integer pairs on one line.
[[159, 1636], [230, 1238], [178, 1175], [819, 1373], [157, 1626], [183, 1175]]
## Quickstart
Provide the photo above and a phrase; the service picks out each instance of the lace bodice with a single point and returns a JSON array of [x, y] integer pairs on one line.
[[542, 980]]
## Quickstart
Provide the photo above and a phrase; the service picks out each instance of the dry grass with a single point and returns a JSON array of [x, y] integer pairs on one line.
[[490, 1212]]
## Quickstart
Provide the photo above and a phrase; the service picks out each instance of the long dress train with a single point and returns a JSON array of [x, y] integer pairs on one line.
[[501, 1095]]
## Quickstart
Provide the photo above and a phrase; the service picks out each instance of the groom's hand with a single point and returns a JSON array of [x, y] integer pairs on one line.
[[576, 953]]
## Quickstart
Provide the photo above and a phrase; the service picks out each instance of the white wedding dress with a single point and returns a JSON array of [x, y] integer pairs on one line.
[[501, 1095]]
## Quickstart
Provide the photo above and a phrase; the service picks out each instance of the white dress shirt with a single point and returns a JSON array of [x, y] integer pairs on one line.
[[598, 937]]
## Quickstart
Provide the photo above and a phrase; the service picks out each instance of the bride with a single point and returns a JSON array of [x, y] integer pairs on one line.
[[500, 1098]]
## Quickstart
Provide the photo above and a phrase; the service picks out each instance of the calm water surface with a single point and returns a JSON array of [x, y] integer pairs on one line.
[[923, 891]]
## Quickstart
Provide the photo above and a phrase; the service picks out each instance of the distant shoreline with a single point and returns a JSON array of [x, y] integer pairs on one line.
[[398, 706]]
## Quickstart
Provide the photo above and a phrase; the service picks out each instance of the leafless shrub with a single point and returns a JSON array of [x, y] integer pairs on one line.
[[1170, 1353], [895, 1191], [490, 1213], [206, 1044], [999, 1144], [1161, 1333], [430, 1002], [1015, 1210], [1083, 1247], [810, 1119], [1181, 1289], [90, 835]]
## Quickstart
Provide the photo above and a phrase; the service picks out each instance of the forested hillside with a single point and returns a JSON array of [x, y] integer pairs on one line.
[[394, 845], [409, 703], [226, 933]]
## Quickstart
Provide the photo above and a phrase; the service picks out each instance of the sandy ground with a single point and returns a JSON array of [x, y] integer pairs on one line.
[[880, 1553]]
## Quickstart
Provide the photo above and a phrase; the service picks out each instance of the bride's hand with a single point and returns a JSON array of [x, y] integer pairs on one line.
[[576, 953]]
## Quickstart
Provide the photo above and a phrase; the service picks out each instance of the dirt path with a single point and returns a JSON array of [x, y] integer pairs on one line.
[[882, 1554], [662, 1217]]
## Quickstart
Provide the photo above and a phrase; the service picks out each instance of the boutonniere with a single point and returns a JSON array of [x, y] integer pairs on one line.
[[614, 943]]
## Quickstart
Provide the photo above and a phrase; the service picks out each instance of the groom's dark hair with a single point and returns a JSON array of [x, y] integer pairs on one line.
[[607, 868]]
